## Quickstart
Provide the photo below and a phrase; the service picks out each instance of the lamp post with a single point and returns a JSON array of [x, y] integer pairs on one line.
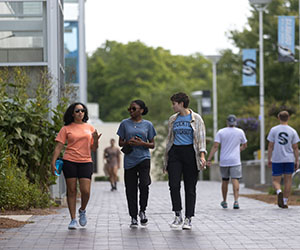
[[198, 96], [214, 59], [261, 5], [82, 53]]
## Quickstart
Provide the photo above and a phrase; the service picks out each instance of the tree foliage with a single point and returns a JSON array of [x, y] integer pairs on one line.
[[118, 74]]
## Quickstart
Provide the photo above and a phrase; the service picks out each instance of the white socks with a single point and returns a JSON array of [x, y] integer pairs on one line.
[[278, 191]]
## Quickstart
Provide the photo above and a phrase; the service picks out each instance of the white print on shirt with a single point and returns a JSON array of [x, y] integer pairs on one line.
[[87, 131], [283, 137]]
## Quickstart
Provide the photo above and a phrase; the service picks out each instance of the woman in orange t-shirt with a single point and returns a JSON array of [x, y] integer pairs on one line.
[[81, 139]]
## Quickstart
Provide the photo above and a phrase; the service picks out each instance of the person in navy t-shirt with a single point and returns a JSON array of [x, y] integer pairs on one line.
[[137, 134]]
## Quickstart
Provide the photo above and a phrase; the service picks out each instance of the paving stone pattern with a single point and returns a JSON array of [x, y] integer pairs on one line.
[[256, 225]]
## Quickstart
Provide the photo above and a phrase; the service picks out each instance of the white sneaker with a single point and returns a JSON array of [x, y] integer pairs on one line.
[[187, 225], [177, 222], [134, 223], [73, 224]]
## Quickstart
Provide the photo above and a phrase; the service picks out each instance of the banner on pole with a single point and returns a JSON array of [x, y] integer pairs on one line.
[[249, 67], [286, 38], [206, 102]]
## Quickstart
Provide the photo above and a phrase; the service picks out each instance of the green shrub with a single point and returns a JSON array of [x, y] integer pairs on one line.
[[16, 192], [272, 191], [101, 178], [25, 176], [29, 132]]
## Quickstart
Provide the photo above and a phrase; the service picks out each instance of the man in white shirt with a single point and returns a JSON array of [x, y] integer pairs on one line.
[[233, 141], [283, 156]]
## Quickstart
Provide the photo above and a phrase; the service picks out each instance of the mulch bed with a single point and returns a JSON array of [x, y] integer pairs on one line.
[[9, 223], [6, 223], [32, 211], [294, 200]]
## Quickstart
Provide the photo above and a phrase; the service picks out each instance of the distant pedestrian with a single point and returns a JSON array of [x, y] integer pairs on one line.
[[184, 157], [136, 136], [112, 165], [283, 156], [232, 141], [81, 139]]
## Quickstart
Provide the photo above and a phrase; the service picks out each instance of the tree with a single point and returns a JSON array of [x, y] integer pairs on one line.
[[120, 73]]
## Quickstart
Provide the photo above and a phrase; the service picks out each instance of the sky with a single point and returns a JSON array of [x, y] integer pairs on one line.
[[184, 27]]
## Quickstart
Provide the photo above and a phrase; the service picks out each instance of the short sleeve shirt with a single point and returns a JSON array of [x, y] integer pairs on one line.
[[182, 129], [79, 141], [230, 139], [129, 129], [283, 137]]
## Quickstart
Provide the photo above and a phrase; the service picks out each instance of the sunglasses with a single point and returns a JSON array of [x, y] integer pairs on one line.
[[79, 110], [132, 108]]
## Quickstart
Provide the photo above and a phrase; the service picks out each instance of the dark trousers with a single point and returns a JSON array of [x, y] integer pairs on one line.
[[137, 177], [182, 162]]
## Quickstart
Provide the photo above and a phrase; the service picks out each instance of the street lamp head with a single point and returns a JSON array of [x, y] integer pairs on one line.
[[214, 58], [197, 94], [260, 2]]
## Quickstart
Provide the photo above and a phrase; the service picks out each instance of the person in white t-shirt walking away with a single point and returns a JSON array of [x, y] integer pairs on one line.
[[233, 141], [283, 156]]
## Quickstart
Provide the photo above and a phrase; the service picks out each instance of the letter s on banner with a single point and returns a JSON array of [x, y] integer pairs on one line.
[[249, 67]]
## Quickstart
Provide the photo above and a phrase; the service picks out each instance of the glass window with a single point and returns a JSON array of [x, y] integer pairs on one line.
[[23, 31], [71, 52]]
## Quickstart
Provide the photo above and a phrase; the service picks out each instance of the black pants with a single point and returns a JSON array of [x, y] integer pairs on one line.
[[137, 177], [182, 162]]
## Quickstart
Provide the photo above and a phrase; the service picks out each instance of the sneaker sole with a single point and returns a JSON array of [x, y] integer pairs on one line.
[[133, 226], [175, 226], [83, 225], [144, 223], [186, 228], [236, 205], [72, 228], [280, 200]]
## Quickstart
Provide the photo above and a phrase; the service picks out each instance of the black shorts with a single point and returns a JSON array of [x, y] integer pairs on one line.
[[77, 169]]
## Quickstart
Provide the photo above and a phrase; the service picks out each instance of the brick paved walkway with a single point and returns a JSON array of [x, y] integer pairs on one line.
[[255, 226]]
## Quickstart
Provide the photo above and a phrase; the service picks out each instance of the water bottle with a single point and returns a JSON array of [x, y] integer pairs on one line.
[[58, 165]]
